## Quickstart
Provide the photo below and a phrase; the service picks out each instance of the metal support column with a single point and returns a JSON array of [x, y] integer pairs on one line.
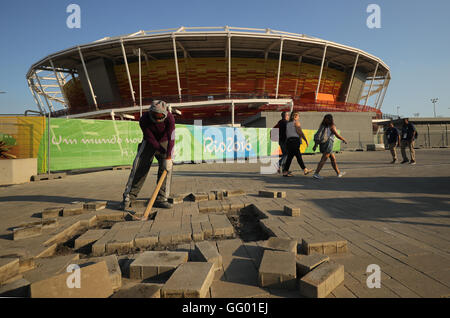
[[229, 65], [298, 74], [34, 96], [384, 93], [50, 109], [351, 78], [279, 67], [321, 70], [88, 79], [232, 113], [59, 84], [371, 83], [128, 71], [176, 66], [381, 91]]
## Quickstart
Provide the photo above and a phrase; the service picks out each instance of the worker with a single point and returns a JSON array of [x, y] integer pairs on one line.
[[158, 128]]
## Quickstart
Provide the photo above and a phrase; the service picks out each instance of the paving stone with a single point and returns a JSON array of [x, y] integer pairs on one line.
[[190, 280], [73, 209], [27, 232], [109, 215], [281, 244], [144, 238], [9, 267], [95, 206], [112, 264], [175, 199], [281, 194], [207, 252], [268, 194], [140, 290], [95, 283], [26, 264], [322, 280], [99, 247], [89, 237], [197, 197], [50, 266], [324, 244], [277, 270], [123, 240], [221, 226], [156, 265], [50, 213], [220, 194], [306, 263], [211, 196], [235, 193], [18, 288], [291, 211], [223, 289]]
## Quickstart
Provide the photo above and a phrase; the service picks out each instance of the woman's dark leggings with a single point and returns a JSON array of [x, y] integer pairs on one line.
[[293, 148]]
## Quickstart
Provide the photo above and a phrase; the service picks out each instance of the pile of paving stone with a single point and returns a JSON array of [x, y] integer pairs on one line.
[[135, 250]]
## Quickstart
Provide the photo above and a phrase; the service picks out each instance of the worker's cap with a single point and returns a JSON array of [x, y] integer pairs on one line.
[[159, 110]]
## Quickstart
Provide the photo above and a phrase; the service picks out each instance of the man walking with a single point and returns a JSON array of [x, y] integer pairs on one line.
[[409, 134], [281, 125], [393, 139], [158, 127]]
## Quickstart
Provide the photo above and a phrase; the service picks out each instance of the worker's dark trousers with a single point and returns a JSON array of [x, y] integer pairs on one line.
[[140, 169]]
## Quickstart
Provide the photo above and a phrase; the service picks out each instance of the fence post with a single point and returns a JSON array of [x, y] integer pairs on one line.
[[446, 135], [48, 144], [429, 139]]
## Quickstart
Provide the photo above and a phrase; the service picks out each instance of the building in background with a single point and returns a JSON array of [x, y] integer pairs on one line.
[[219, 75]]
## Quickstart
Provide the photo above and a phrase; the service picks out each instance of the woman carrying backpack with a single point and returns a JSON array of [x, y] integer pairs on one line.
[[325, 138], [294, 136]]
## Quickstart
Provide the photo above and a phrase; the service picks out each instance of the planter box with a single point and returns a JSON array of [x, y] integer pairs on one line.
[[14, 171]]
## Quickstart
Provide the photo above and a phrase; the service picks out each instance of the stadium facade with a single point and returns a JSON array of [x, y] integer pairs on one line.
[[221, 75]]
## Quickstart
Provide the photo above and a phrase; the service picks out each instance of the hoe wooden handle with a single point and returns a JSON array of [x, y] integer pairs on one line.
[[155, 194]]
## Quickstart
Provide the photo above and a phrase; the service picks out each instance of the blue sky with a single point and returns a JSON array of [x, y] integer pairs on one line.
[[413, 39]]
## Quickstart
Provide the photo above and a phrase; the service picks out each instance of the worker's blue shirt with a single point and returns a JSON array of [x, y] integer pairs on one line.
[[392, 134]]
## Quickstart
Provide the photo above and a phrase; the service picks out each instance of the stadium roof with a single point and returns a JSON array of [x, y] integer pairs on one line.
[[213, 41]]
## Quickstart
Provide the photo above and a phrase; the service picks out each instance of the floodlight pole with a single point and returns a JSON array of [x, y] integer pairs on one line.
[[434, 101], [321, 70], [351, 78], [279, 67], [128, 71], [371, 83], [59, 84], [176, 66], [87, 77]]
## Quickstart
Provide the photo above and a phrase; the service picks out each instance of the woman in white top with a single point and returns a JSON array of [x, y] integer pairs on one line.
[[294, 136], [326, 148]]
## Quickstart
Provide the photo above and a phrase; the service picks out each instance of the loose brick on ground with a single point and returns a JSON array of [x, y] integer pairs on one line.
[[291, 211], [306, 263], [322, 280], [89, 237], [324, 244], [277, 270], [141, 290], [281, 244], [154, 264], [50, 213], [95, 206], [190, 280], [207, 252], [268, 194], [112, 264], [73, 209], [9, 267]]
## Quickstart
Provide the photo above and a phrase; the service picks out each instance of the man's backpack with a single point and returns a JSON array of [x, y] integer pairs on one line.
[[321, 136]]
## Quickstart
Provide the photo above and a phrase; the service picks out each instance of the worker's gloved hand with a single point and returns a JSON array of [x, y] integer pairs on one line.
[[167, 164]]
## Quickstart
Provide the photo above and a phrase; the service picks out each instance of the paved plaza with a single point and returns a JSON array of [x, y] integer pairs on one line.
[[393, 215]]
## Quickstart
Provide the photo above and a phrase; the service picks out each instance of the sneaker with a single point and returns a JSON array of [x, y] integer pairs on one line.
[[316, 176], [394, 161], [405, 161], [162, 204], [341, 174], [124, 205], [413, 162]]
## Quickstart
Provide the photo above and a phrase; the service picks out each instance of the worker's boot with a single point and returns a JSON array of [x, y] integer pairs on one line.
[[162, 202]]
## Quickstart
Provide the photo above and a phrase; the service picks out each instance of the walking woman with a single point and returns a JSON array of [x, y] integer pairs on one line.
[[294, 136], [328, 132]]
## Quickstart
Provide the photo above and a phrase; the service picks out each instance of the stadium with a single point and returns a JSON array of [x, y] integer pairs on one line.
[[221, 75]]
